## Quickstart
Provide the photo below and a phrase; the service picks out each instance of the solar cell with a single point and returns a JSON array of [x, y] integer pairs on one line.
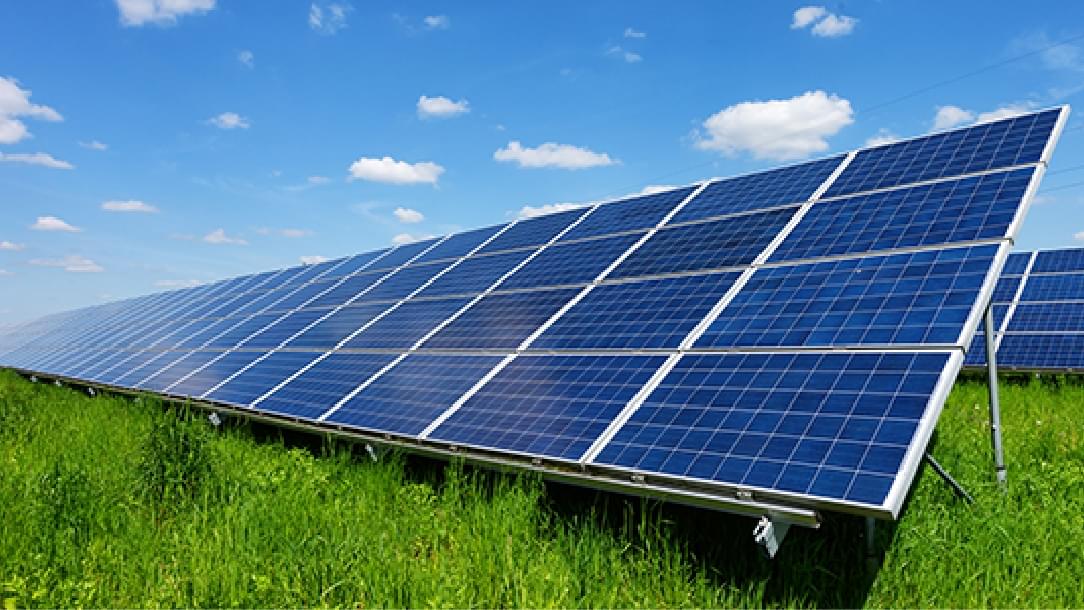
[[645, 314], [401, 255], [285, 327], [1059, 261], [729, 242], [551, 406], [246, 328], [1041, 351], [300, 296], [459, 244], [404, 281], [970, 209], [572, 263], [533, 231], [786, 185], [629, 214], [178, 367], [911, 298], [320, 387], [413, 393], [406, 325], [1058, 287], [991, 145], [1048, 317], [475, 274], [501, 321], [1017, 263], [835, 426], [336, 294], [327, 333], [261, 377], [217, 370]]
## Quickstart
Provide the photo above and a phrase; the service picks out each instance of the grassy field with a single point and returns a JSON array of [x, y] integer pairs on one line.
[[111, 502]]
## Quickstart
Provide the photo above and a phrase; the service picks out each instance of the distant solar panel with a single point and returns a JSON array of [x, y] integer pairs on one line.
[[777, 343]]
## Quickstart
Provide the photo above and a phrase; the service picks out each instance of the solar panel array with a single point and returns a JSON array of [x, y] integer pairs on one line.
[[782, 338], [1038, 313]]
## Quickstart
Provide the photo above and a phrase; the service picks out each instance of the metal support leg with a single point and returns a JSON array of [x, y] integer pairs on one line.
[[995, 406], [956, 487], [871, 534]]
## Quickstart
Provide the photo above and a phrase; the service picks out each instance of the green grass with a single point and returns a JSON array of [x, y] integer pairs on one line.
[[110, 502]]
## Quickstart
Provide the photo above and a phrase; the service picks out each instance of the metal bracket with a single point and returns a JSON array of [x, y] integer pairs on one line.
[[769, 535], [214, 418], [91, 392], [956, 487]]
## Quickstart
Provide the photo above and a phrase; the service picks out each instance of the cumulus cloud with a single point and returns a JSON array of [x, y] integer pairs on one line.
[[94, 145], [825, 24], [883, 136], [408, 238], [408, 216], [313, 259], [52, 223], [951, 116], [530, 211], [229, 120], [1004, 112], [10, 246], [130, 205], [437, 22], [624, 54], [328, 18], [631, 33], [219, 237], [777, 129], [390, 171], [38, 158], [72, 263], [178, 283], [552, 154], [248, 58], [15, 102], [441, 107], [160, 12]]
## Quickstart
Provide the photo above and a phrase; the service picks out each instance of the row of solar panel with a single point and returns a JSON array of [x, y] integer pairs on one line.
[[1038, 313], [362, 347]]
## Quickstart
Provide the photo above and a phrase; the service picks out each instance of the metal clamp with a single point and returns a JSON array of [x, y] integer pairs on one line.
[[769, 535]]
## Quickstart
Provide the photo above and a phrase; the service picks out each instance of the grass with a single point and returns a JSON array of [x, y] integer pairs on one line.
[[111, 502]]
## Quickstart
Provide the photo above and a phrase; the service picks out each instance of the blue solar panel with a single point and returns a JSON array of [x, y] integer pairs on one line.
[[1058, 287], [261, 377], [475, 274], [637, 315], [501, 321], [178, 368], [236, 335], [404, 281], [728, 242], [133, 374], [1048, 317], [976, 208], [533, 231], [406, 325], [319, 388], [921, 297], [136, 360], [459, 244], [1005, 289], [573, 263], [299, 297], [1059, 261], [310, 272], [999, 144], [263, 301], [288, 325], [629, 214], [552, 406], [215, 372], [1041, 351], [834, 426], [401, 255], [1017, 263], [328, 332], [794, 184], [413, 393], [349, 288]]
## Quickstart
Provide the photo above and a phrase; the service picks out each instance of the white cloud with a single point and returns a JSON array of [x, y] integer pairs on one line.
[[328, 18], [130, 205], [313, 259], [951, 116], [1004, 112], [1054, 56], [825, 24], [441, 107], [72, 263], [15, 102], [94, 145], [39, 158], [294, 233], [160, 12], [318, 179], [408, 216], [52, 223], [631, 33], [10, 246], [219, 237], [625, 54], [178, 283], [437, 22], [1079, 236], [407, 238], [883, 136], [248, 58], [552, 154], [651, 189], [4, 272], [390, 171], [229, 120], [777, 129], [530, 211]]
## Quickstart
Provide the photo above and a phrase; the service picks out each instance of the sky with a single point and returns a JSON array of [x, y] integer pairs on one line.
[[153, 144]]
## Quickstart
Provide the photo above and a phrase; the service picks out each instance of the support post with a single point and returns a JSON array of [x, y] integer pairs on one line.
[[956, 487], [871, 546], [995, 406]]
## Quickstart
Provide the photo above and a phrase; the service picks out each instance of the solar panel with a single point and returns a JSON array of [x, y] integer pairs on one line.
[[1059, 261], [777, 343]]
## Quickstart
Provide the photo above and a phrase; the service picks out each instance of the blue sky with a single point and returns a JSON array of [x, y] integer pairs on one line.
[[148, 144]]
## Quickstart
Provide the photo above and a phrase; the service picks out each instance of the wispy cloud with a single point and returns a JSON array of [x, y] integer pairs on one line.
[[552, 155], [883, 136], [329, 18], [10, 246], [825, 24], [247, 58], [130, 205], [52, 223], [313, 259], [15, 102], [531, 211], [219, 237], [408, 216], [229, 120], [390, 171], [437, 22], [160, 12], [441, 107], [38, 158], [73, 263], [408, 238], [178, 283], [631, 33], [624, 54], [94, 145]]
